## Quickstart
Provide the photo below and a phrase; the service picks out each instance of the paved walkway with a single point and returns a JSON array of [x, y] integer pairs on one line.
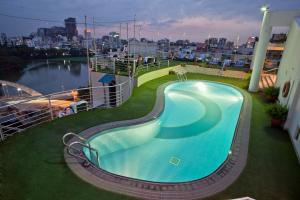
[[213, 71], [216, 182], [24, 88]]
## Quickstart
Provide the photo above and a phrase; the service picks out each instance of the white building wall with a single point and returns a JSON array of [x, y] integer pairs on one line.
[[289, 70]]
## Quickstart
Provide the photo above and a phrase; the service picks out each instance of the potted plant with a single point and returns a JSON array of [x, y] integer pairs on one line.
[[278, 114], [271, 93]]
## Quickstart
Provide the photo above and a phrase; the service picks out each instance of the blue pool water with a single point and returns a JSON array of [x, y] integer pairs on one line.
[[188, 141]]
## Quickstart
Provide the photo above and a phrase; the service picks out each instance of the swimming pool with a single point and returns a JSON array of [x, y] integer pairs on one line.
[[189, 140]]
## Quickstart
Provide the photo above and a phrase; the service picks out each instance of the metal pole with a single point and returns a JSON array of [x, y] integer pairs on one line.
[[119, 42], [94, 39], [87, 44], [120, 94], [50, 108], [1, 134], [128, 44], [88, 57], [114, 65], [130, 87], [134, 36]]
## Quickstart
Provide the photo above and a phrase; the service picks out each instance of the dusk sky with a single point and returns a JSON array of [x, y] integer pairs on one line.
[[184, 19]]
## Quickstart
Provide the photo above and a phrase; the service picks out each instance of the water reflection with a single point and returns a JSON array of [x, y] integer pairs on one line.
[[52, 76]]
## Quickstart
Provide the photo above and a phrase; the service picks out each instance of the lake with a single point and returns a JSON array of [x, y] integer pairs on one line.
[[50, 76]]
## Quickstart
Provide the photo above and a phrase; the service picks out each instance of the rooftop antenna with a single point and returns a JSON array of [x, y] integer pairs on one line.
[[237, 41], [134, 35], [120, 30], [86, 40]]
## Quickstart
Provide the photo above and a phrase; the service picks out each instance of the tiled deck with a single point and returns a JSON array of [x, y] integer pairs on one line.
[[224, 176]]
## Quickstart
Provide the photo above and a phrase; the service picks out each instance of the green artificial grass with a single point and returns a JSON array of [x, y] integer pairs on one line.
[[32, 164]]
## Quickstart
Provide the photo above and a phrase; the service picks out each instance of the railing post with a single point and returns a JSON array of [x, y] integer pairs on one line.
[[130, 87], [50, 108], [1, 134], [133, 68], [120, 93], [114, 66]]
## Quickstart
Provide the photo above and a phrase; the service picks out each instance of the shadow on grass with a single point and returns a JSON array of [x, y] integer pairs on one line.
[[277, 134]]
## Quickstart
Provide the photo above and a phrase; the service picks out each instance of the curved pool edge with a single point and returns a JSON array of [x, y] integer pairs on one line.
[[216, 182]]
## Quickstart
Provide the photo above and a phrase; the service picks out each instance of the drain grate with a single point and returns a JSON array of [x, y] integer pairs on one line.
[[174, 161]]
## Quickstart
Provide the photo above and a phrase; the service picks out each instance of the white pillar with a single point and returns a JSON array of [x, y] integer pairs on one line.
[[260, 53]]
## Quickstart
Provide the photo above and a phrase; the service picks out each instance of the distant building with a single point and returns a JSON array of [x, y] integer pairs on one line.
[[71, 28], [222, 43], [144, 40], [43, 32], [56, 31], [212, 43], [88, 38], [142, 48], [182, 42], [3, 39], [201, 46], [114, 40], [229, 45], [251, 42], [88, 33], [164, 44]]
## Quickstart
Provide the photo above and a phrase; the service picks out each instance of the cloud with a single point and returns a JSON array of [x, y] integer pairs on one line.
[[176, 18]]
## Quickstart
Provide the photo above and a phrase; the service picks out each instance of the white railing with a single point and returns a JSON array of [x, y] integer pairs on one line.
[[120, 66], [152, 66], [22, 114]]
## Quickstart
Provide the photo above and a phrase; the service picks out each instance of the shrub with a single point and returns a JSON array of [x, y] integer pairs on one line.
[[277, 111], [271, 91], [171, 72]]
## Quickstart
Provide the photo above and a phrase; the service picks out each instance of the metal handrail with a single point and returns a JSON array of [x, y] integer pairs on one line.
[[71, 147], [86, 145], [271, 70], [74, 135]]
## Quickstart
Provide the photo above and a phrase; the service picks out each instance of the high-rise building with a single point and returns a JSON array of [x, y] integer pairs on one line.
[[222, 43], [88, 33], [3, 39], [213, 42], [71, 28], [43, 32], [56, 31], [229, 45]]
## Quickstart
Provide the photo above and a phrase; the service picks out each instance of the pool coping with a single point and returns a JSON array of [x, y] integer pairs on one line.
[[214, 183]]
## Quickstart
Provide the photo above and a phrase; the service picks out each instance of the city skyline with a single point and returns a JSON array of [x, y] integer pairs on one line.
[[195, 20]]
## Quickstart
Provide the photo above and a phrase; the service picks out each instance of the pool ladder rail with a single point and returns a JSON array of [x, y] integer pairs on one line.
[[73, 150], [181, 74]]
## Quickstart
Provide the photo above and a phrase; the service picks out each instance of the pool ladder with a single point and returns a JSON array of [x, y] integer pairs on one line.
[[181, 74], [73, 150]]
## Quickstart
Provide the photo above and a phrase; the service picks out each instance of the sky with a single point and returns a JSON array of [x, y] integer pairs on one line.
[[195, 20]]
